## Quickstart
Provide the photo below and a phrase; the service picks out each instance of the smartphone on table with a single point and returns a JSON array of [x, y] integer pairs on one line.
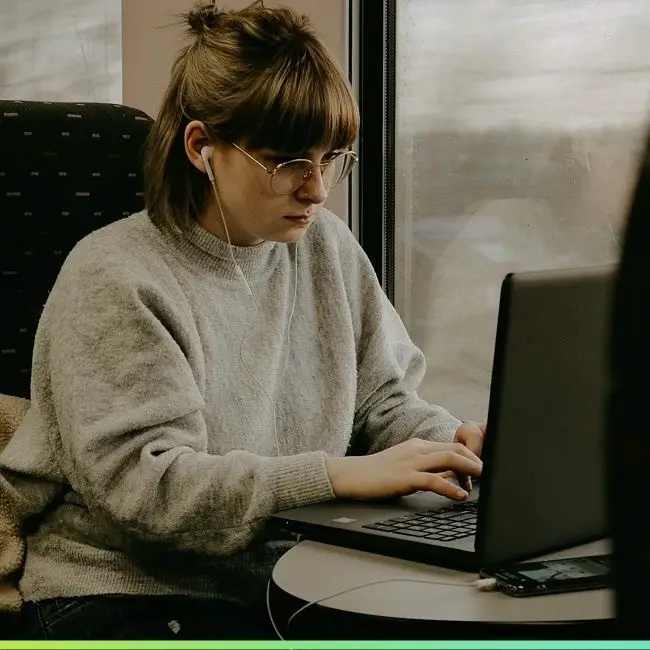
[[553, 576]]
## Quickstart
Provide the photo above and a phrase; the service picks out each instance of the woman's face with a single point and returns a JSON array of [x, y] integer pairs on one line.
[[253, 210]]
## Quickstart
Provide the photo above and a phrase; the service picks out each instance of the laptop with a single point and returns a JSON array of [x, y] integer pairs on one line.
[[543, 482]]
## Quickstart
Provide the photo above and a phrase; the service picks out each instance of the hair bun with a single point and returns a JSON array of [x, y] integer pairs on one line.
[[202, 18]]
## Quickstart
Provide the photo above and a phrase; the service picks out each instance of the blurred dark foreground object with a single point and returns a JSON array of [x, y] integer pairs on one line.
[[629, 422]]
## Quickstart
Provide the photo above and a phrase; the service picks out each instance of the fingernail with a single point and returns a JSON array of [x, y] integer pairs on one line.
[[462, 494]]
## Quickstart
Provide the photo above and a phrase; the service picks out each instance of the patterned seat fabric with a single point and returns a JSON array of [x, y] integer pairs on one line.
[[65, 170]]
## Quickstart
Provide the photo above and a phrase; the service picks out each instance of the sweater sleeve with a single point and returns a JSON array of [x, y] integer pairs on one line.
[[130, 435], [390, 368]]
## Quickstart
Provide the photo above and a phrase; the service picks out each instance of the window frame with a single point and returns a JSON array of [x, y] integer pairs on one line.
[[372, 64]]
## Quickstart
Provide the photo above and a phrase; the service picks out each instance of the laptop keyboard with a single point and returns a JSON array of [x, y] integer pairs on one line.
[[445, 525]]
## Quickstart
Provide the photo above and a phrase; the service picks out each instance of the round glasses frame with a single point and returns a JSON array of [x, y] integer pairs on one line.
[[349, 159]]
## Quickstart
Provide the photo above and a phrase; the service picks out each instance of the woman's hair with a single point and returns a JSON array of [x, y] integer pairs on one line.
[[258, 77]]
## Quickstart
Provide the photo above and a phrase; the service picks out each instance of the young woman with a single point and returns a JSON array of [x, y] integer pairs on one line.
[[221, 356]]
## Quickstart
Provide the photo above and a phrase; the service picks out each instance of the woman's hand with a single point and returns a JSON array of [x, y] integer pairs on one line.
[[403, 469], [471, 435]]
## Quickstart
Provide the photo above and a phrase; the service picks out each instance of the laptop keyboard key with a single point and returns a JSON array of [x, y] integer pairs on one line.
[[412, 533], [382, 527]]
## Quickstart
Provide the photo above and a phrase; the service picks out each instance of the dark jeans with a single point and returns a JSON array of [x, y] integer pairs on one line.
[[138, 618]]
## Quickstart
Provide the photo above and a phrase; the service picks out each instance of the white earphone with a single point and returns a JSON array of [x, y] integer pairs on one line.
[[206, 155]]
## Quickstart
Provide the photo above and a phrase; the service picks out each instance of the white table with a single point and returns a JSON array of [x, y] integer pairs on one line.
[[312, 571]]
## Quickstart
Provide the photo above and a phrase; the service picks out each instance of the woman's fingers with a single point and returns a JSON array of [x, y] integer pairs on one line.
[[435, 483], [441, 461], [433, 447]]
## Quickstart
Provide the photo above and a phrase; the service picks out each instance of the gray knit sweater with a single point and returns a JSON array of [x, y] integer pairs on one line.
[[147, 462]]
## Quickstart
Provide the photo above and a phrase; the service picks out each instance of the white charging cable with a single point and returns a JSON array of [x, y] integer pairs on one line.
[[482, 584], [206, 156]]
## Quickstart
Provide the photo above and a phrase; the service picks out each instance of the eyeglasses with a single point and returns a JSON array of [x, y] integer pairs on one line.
[[288, 176]]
